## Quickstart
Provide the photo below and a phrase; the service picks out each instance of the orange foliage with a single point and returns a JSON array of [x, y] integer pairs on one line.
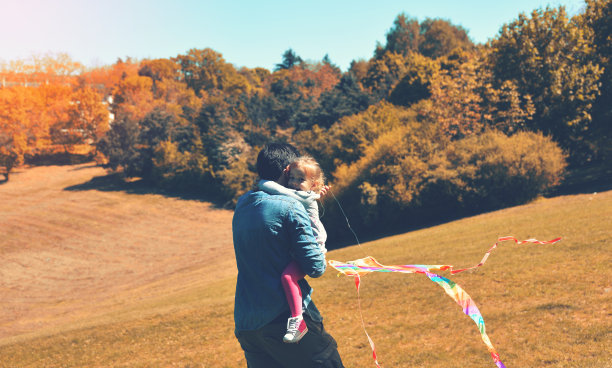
[[316, 78]]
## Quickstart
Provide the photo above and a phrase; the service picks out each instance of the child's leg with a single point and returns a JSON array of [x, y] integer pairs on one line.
[[289, 279]]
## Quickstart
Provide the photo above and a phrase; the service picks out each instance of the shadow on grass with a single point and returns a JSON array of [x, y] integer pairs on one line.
[[554, 306], [58, 159], [585, 179], [115, 182], [84, 167]]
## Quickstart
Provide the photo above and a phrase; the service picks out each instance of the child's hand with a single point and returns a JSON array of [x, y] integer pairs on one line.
[[324, 190]]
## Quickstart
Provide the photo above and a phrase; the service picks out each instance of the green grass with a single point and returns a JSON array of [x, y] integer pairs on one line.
[[543, 305]]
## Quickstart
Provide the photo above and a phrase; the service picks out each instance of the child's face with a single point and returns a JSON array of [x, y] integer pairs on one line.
[[298, 179]]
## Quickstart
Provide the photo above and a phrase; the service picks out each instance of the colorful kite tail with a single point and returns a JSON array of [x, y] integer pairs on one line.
[[357, 283], [503, 239], [469, 307]]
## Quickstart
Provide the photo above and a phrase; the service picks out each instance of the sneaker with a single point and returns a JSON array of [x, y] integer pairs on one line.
[[296, 329]]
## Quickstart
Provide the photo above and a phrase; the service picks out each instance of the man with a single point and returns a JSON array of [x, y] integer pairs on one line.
[[269, 231]]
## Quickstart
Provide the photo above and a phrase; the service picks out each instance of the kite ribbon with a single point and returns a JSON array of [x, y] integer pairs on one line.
[[499, 240], [369, 264], [357, 283]]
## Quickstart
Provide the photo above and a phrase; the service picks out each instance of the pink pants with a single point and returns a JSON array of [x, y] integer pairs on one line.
[[289, 279]]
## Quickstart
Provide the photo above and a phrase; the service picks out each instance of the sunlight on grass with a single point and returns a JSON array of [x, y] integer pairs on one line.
[[543, 305]]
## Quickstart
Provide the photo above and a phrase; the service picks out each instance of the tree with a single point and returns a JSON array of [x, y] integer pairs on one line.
[[596, 21], [384, 72], [403, 38], [289, 102], [358, 70], [414, 85], [87, 120], [133, 98], [433, 38], [120, 146], [440, 37], [348, 139], [131, 144], [290, 59], [159, 69], [346, 98], [455, 106], [546, 56], [205, 70], [327, 61], [18, 133]]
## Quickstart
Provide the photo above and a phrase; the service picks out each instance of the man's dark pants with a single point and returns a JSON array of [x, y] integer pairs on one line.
[[264, 348]]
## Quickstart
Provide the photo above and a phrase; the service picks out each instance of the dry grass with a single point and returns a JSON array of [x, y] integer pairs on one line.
[[94, 278]]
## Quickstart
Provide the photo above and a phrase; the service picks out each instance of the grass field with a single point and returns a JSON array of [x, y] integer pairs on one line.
[[95, 274]]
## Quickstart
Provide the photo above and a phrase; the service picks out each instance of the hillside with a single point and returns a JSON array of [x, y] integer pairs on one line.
[[73, 247], [99, 274]]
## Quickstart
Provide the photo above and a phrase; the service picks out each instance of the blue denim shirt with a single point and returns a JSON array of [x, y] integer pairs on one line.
[[269, 231]]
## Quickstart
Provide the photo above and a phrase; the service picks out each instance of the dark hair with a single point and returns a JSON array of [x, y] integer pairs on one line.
[[274, 158]]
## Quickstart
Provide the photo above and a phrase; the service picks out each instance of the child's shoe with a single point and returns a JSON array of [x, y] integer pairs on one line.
[[296, 329]]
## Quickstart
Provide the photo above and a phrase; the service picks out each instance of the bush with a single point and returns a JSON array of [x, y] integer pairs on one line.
[[405, 179], [497, 170]]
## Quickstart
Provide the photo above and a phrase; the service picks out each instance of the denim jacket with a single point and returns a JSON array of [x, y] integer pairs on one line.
[[270, 231]]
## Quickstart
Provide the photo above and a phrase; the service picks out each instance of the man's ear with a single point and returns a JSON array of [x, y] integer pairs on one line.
[[283, 178]]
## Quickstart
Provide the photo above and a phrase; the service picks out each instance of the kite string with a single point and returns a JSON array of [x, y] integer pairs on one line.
[[345, 217], [446, 284], [358, 282]]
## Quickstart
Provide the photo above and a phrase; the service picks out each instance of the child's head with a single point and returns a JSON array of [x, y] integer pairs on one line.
[[305, 174]]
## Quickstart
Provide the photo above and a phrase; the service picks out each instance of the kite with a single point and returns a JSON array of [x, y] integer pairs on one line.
[[366, 265]]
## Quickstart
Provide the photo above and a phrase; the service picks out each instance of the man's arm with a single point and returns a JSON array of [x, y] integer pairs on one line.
[[303, 245]]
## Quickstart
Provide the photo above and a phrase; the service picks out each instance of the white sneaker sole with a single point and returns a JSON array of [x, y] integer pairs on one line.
[[297, 338]]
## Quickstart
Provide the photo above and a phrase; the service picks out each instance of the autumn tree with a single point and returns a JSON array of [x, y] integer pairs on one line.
[[403, 38], [439, 37], [414, 85], [546, 56], [14, 127], [596, 22], [346, 98], [133, 97], [455, 106], [86, 122], [432, 37], [205, 70], [358, 70], [384, 73]]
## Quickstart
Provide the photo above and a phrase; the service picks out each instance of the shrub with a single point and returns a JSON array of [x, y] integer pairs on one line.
[[404, 178], [496, 170]]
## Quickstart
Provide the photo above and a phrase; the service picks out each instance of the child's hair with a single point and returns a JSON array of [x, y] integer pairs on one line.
[[312, 169]]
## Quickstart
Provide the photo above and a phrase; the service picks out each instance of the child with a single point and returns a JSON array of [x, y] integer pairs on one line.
[[305, 182]]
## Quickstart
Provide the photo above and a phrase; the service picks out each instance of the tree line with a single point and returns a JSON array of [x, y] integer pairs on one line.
[[432, 124]]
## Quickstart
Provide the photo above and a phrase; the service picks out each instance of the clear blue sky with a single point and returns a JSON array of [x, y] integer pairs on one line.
[[251, 33]]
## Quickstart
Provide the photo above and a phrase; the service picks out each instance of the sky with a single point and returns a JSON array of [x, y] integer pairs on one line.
[[248, 33]]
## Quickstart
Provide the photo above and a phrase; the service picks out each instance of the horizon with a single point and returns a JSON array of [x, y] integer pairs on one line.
[[247, 34]]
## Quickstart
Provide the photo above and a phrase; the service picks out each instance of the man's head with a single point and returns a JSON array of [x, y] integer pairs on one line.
[[274, 158]]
